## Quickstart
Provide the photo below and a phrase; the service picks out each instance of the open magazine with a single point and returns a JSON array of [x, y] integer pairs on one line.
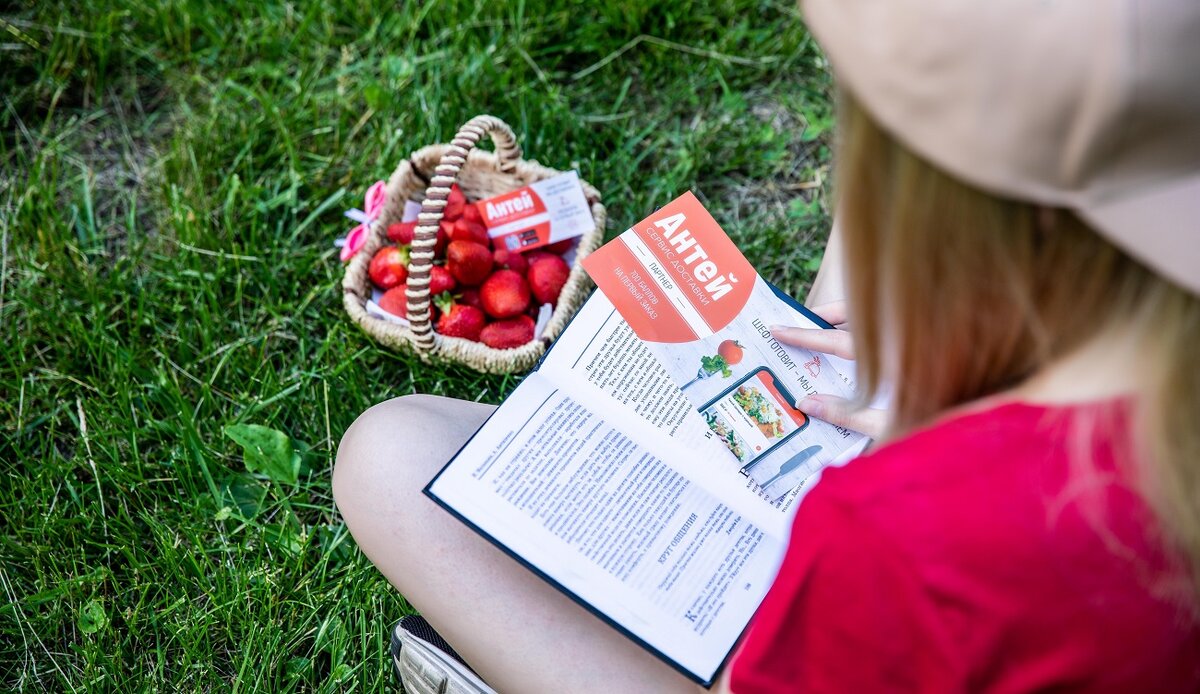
[[649, 466]]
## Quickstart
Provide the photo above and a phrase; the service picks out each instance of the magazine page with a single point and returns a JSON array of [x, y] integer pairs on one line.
[[701, 308], [619, 370], [637, 540], [601, 361]]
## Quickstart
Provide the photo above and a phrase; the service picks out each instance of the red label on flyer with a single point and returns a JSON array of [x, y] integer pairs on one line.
[[674, 276], [541, 213]]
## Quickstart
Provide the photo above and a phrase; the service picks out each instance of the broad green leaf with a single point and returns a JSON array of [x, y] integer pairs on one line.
[[267, 451], [298, 667], [341, 673], [92, 617]]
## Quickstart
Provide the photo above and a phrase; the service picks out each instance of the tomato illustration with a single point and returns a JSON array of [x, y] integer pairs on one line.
[[730, 351]]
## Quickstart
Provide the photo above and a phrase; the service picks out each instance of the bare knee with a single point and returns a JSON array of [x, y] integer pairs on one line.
[[372, 451], [393, 450]]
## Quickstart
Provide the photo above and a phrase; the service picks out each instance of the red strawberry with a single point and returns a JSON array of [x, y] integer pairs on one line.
[[443, 240], [471, 213], [402, 232], [439, 245], [440, 280], [510, 259], [446, 227], [506, 334], [395, 302], [459, 320], [560, 247], [389, 267], [534, 255], [469, 231], [504, 294], [470, 297], [547, 275], [468, 261], [455, 203]]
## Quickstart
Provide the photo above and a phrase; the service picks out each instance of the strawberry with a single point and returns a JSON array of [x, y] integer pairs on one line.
[[506, 334], [389, 266], [395, 302], [547, 275], [446, 228], [469, 231], [439, 245], [470, 297], [459, 320], [468, 261], [504, 294], [455, 203], [471, 213], [402, 232], [443, 240], [440, 280], [560, 247], [510, 259], [534, 255]]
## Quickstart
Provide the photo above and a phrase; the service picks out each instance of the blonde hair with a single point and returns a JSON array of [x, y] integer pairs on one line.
[[974, 293]]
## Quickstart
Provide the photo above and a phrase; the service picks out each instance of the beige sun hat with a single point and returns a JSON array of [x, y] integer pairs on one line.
[[1092, 105]]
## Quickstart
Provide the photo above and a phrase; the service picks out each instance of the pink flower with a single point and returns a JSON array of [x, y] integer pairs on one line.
[[373, 206], [355, 240], [376, 196]]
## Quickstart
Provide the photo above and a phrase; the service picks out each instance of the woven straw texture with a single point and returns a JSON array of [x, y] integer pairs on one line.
[[426, 178]]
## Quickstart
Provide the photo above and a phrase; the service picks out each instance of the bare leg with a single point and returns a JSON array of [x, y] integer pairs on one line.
[[830, 283], [518, 633]]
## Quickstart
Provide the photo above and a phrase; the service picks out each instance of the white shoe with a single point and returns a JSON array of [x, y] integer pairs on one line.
[[426, 664]]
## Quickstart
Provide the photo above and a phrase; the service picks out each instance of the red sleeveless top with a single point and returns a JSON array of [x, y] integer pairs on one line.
[[1003, 550]]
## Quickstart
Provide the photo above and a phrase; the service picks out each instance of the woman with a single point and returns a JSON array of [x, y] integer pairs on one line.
[[1019, 190]]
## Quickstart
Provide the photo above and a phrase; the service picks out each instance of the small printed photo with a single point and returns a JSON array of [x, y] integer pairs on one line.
[[753, 417], [729, 436], [765, 414]]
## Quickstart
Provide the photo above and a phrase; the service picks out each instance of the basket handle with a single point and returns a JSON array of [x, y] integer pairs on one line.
[[434, 207]]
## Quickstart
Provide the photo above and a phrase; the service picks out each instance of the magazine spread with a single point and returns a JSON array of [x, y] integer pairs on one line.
[[688, 292], [604, 472]]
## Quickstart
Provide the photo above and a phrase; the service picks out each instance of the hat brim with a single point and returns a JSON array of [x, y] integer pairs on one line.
[[1149, 226]]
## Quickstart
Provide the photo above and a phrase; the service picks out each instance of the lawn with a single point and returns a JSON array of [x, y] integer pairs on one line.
[[172, 176]]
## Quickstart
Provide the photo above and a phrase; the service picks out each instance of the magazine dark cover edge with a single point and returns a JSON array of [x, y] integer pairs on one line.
[[799, 307]]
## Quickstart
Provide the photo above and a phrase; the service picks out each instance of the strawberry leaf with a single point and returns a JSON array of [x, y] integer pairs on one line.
[[444, 302]]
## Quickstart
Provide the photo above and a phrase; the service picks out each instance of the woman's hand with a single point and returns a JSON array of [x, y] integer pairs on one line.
[[830, 408]]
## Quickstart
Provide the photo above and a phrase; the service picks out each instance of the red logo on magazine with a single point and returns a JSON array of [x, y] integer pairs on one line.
[[675, 276]]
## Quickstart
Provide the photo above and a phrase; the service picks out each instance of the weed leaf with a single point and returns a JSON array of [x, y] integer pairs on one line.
[[267, 451], [92, 617]]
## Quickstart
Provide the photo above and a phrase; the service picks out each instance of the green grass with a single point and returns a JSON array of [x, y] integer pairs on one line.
[[171, 176]]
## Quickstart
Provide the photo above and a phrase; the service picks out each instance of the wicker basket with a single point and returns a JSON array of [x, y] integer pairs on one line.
[[479, 174]]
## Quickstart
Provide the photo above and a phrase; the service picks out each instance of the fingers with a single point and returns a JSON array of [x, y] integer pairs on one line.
[[834, 312], [836, 342], [844, 413]]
